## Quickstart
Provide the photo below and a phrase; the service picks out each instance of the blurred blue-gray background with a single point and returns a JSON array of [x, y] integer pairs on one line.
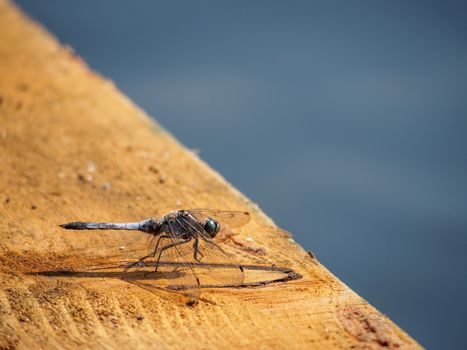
[[345, 120]]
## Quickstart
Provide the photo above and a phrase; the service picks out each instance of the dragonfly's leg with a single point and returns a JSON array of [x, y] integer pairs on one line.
[[157, 244], [168, 246], [153, 253], [196, 251]]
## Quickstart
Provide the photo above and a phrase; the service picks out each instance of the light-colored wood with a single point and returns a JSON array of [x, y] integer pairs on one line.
[[73, 147]]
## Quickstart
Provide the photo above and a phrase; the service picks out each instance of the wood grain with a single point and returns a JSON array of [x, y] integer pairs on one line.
[[73, 147]]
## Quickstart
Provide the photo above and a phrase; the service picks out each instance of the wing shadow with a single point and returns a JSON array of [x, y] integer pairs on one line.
[[104, 271]]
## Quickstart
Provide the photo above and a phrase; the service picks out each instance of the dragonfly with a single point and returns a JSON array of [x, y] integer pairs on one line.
[[180, 252]]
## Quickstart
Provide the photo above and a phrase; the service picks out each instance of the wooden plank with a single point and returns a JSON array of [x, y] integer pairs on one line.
[[73, 147]]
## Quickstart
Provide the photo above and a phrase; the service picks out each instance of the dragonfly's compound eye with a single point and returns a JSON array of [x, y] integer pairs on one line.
[[211, 227]]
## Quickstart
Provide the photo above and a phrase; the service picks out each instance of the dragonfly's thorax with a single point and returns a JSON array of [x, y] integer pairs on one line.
[[180, 224]]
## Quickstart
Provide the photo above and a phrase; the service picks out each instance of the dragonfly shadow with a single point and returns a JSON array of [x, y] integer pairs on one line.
[[165, 279], [265, 275], [145, 279]]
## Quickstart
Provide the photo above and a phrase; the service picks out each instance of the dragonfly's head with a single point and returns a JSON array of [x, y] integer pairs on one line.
[[211, 227]]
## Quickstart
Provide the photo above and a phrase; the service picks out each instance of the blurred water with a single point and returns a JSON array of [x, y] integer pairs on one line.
[[351, 114]]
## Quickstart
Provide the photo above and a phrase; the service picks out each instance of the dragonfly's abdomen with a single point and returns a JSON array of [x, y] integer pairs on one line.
[[149, 225]]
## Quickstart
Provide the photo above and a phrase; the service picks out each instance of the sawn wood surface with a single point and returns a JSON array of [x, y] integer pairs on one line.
[[72, 147]]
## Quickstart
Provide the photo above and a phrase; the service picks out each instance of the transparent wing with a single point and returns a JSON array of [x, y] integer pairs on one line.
[[159, 263], [134, 245], [215, 267], [166, 267], [231, 218], [171, 275]]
